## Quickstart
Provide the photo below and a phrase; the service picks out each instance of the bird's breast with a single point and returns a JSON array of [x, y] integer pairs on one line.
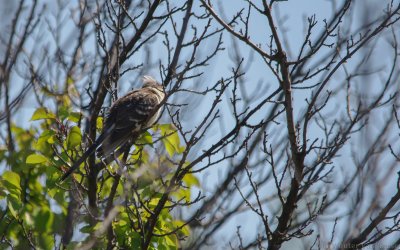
[[154, 118]]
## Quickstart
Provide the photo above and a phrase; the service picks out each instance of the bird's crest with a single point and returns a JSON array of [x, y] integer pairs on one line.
[[149, 80]]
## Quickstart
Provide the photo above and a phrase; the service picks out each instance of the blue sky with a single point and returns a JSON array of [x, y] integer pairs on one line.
[[294, 13]]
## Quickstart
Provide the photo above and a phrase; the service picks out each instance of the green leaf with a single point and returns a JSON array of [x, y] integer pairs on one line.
[[190, 180], [182, 193], [99, 123], [183, 229], [145, 138], [170, 139], [171, 241], [74, 137], [153, 203], [35, 159], [42, 113], [87, 229], [169, 147], [12, 209], [90, 229], [13, 204], [46, 241], [63, 112], [46, 136], [57, 195], [74, 117], [44, 220], [12, 183]]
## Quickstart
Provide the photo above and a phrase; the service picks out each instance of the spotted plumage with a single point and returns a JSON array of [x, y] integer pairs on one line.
[[128, 117]]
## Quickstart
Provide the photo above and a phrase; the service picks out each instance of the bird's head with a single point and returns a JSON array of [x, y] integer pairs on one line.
[[150, 82]]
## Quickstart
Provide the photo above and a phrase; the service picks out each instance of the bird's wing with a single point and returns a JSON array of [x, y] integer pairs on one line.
[[127, 116]]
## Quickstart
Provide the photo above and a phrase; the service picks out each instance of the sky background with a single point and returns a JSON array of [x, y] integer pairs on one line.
[[293, 14]]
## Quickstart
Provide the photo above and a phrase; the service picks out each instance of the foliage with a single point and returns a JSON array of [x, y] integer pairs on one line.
[[36, 204]]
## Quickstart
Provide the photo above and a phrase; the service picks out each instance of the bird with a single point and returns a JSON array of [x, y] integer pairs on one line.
[[128, 117]]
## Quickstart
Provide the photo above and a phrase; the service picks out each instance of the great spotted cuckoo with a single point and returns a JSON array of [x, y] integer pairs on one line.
[[128, 117]]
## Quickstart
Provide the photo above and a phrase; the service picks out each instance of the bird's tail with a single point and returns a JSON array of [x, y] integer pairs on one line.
[[88, 153], [76, 164]]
